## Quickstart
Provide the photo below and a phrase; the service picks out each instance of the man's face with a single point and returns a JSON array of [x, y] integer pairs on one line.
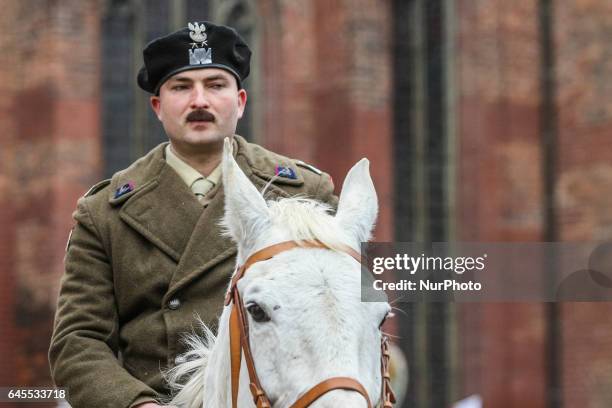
[[199, 107]]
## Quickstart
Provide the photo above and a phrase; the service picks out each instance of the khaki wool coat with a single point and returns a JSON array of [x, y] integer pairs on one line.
[[141, 266]]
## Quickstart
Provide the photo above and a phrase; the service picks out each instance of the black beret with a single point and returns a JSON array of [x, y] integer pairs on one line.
[[199, 45]]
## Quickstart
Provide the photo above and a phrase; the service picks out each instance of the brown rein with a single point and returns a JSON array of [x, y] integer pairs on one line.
[[239, 340]]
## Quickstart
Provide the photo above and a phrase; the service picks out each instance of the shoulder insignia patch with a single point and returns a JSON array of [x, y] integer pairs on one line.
[[97, 187], [309, 167]]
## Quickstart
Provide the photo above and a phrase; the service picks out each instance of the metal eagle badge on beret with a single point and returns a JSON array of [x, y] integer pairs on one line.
[[198, 54]]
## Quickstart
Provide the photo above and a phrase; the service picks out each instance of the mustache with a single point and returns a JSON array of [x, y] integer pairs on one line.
[[200, 115]]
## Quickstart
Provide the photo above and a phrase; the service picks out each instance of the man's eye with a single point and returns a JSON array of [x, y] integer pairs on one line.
[[217, 86], [179, 87]]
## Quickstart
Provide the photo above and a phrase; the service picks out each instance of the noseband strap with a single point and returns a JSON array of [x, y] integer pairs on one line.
[[239, 340], [336, 383]]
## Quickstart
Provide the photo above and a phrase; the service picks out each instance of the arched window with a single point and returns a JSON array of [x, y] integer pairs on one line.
[[129, 127]]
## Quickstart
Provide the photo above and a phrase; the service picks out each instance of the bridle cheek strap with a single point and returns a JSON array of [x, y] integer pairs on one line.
[[239, 337], [388, 396], [239, 340], [235, 354]]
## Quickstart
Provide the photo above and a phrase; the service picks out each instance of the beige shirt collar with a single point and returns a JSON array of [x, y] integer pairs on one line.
[[187, 173]]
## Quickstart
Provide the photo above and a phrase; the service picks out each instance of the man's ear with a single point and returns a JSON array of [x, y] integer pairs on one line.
[[242, 100], [156, 105]]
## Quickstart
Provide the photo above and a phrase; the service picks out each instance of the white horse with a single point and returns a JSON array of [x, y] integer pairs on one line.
[[306, 320]]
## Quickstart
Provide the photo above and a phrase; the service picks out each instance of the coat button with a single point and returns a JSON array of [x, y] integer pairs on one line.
[[174, 304], [179, 360]]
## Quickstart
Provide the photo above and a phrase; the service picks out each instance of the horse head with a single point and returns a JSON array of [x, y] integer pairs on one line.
[[306, 318]]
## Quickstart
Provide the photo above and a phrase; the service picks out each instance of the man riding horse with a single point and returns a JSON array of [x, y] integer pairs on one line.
[[146, 252]]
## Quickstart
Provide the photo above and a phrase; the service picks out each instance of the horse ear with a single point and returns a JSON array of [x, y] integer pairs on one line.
[[358, 204], [245, 208]]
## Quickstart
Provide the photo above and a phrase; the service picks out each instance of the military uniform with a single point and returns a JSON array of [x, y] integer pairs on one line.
[[146, 256], [142, 262]]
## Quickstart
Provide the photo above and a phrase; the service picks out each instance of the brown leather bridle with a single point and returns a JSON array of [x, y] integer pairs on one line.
[[239, 340]]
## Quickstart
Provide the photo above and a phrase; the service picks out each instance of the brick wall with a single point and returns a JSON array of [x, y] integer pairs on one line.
[[502, 345], [7, 213], [324, 101], [319, 82], [584, 30], [50, 156]]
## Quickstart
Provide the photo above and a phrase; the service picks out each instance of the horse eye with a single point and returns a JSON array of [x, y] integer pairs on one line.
[[257, 313]]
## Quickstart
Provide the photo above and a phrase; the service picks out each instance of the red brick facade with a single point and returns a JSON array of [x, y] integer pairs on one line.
[[319, 82], [500, 191], [322, 86], [50, 130], [504, 346], [584, 185]]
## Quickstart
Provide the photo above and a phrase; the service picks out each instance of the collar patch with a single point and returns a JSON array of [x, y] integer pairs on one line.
[[286, 172], [124, 189]]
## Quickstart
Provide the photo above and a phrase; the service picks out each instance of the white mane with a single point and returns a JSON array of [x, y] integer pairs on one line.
[[306, 219], [187, 379]]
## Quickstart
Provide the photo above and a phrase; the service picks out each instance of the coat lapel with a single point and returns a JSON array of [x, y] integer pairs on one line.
[[205, 248], [163, 210], [208, 245]]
